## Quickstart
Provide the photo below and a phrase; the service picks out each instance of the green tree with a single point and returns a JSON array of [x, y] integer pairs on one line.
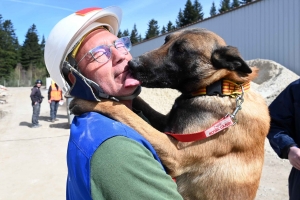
[[179, 20], [120, 34], [163, 30], [43, 44], [134, 38], [224, 6], [31, 52], [235, 4], [170, 26], [213, 10], [9, 47], [42, 61], [245, 1], [189, 14], [126, 33], [153, 29], [198, 10], [140, 38]]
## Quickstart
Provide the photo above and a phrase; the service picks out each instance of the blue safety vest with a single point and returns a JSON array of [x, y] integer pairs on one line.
[[88, 132]]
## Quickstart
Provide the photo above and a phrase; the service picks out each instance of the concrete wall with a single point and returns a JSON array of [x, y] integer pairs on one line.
[[264, 29]]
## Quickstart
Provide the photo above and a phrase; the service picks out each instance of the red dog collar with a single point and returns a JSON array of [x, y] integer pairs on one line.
[[220, 125]]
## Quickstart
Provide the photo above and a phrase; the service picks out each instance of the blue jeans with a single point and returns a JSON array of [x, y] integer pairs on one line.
[[53, 109], [294, 181], [35, 114]]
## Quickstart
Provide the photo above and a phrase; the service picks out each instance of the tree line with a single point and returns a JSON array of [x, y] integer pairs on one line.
[[191, 13], [21, 65]]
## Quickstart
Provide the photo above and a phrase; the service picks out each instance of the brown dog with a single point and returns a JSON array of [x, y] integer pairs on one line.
[[214, 81]]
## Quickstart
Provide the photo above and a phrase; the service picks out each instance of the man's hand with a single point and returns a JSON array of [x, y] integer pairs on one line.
[[294, 157]]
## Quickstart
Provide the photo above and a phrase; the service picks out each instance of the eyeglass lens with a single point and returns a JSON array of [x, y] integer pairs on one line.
[[103, 53]]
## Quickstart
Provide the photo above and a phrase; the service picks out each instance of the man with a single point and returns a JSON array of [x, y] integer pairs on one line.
[[106, 159], [36, 100], [284, 134], [54, 97]]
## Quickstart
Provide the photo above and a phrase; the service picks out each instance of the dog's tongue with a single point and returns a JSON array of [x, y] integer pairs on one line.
[[130, 81]]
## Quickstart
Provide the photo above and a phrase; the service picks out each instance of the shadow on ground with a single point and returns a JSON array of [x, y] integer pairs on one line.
[[46, 118], [25, 124], [64, 125]]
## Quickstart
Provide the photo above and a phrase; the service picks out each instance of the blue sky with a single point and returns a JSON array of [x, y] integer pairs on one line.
[[46, 13]]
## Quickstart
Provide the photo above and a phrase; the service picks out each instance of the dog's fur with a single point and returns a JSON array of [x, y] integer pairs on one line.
[[226, 165]]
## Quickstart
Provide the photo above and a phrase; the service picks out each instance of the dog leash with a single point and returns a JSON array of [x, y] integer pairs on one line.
[[225, 122]]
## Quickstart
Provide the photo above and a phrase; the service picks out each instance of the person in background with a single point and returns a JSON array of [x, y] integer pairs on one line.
[[54, 97], [106, 159], [36, 100], [284, 134]]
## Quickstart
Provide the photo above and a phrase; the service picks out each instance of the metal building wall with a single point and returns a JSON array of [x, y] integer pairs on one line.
[[266, 29]]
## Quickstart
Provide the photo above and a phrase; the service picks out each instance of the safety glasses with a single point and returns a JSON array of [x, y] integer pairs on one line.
[[102, 53]]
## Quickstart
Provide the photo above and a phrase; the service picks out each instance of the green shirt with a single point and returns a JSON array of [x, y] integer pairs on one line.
[[121, 168]]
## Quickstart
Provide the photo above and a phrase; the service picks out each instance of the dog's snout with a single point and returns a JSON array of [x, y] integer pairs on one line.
[[133, 64]]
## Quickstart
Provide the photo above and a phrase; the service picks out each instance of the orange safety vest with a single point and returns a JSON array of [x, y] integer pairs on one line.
[[55, 94]]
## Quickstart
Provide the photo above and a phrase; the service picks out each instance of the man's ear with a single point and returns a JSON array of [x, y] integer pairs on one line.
[[228, 57], [71, 78]]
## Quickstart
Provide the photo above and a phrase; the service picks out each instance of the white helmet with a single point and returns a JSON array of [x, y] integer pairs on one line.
[[64, 37]]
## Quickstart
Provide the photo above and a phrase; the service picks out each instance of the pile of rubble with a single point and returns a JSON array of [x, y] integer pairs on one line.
[[272, 78]]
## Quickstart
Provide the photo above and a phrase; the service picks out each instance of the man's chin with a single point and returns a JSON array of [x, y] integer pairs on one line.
[[129, 90]]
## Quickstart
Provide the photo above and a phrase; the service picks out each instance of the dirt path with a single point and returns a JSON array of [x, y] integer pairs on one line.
[[33, 161]]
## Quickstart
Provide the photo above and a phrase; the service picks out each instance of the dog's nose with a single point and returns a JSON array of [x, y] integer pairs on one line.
[[133, 64]]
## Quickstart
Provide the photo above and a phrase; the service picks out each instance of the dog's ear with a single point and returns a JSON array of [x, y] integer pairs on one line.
[[228, 57]]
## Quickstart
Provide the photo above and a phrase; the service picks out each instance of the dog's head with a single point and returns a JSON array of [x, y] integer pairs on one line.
[[188, 60]]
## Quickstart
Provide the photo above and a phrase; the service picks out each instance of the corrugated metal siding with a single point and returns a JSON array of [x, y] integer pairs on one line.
[[266, 29]]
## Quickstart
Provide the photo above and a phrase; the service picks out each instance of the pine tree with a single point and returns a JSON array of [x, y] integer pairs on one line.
[[224, 6], [43, 44], [198, 10], [213, 10], [235, 4], [140, 38], [163, 30], [153, 29], [242, 2], [179, 20], [9, 47], [120, 34], [134, 35], [170, 26], [126, 33], [189, 14], [42, 61], [31, 52]]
